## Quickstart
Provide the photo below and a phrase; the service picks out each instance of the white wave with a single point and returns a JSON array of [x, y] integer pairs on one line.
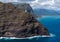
[[6, 38]]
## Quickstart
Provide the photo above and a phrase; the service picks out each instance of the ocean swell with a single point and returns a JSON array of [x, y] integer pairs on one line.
[[10, 38]]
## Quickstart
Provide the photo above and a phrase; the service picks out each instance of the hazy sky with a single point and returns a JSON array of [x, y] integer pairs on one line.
[[49, 4]]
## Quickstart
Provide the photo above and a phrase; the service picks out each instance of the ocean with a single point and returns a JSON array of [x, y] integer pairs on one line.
[[52, 23]]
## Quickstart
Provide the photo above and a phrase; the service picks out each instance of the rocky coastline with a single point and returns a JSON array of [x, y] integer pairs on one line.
[[15, 22]]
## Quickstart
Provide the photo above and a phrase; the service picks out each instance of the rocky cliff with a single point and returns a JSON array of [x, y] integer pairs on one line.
[[24, 6], [14, 22]]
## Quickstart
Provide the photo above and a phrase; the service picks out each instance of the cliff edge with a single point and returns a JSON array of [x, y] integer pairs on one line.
[[14, 22]]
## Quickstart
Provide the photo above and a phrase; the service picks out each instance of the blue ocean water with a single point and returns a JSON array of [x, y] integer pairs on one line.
[[52, 23]]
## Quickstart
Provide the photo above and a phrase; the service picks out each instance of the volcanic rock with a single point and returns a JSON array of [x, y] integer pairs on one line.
[[14, 22], [24, 6]]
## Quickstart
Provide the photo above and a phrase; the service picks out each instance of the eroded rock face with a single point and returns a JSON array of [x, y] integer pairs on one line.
[[24, 6], [15, 22]]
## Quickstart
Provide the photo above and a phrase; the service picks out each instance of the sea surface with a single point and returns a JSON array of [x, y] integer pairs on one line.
[[52, 23]]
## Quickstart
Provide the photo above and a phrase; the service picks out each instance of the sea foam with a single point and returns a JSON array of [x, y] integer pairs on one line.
[[6, 38]]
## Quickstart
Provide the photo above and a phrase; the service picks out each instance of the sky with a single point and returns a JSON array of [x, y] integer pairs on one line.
[[47, 4]]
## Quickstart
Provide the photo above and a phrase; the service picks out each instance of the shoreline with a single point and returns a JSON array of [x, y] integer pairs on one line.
[[10, 38]]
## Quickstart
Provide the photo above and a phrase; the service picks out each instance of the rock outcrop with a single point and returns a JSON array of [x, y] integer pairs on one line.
[[24, 6], [14, 22]]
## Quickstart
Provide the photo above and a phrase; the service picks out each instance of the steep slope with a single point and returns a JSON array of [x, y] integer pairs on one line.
[[24, 6], [14, 22]]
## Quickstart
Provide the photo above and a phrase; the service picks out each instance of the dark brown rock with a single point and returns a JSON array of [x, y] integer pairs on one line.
[[15, 22]]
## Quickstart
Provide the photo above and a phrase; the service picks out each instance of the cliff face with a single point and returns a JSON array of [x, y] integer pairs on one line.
[[24, 6], [14, 22]]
